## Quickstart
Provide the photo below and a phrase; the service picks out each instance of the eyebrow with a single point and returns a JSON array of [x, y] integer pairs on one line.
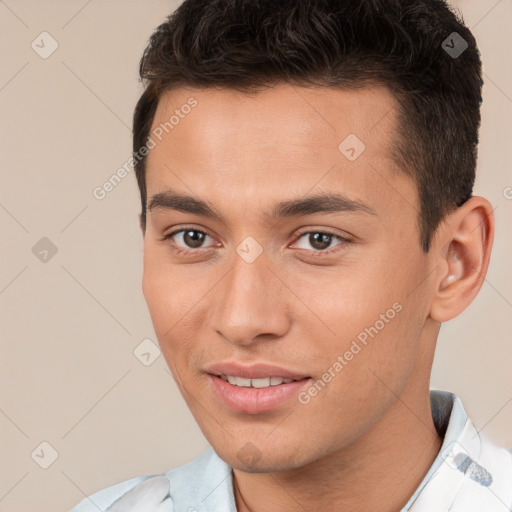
[[319, 203]]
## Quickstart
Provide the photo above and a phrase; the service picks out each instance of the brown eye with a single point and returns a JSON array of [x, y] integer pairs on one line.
[[319, 240], [185, 240], [193, 238]]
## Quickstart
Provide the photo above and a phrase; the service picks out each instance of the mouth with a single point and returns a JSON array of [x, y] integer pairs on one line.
[[255, 394], [254, 388]]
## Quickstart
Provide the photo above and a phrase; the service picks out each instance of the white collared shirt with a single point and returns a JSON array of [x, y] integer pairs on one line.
[[469, 474]]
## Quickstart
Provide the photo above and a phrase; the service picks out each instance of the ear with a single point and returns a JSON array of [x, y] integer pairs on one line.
[[463, 245]]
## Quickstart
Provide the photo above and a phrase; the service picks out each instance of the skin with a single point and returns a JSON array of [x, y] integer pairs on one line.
[[367, 439]]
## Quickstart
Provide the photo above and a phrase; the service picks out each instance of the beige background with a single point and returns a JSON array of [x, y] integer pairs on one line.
[[69, 326]]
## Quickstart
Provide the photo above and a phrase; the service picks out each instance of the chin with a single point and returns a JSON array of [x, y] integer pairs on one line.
[[262, 466], [250, 459]]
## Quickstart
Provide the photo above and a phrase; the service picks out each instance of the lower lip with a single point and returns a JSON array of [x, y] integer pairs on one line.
[[255, 400]]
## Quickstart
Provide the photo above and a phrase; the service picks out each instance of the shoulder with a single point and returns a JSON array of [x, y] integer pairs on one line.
[[182, 486], [103, 499]]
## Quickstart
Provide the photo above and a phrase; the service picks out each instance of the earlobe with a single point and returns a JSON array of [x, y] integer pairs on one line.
[[467, 237]]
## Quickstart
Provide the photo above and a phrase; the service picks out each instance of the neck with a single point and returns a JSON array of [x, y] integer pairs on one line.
[[379, 471]]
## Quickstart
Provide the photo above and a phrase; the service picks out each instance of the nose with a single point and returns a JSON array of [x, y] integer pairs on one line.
[[252, 304]]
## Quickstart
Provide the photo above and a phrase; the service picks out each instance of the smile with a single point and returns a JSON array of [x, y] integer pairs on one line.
[[254, 396]]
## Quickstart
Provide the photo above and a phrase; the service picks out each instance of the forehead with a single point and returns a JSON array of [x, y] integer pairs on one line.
[[306, 116], [282, 141]]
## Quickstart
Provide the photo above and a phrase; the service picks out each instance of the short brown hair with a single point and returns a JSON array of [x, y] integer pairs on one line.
[[404, 45]]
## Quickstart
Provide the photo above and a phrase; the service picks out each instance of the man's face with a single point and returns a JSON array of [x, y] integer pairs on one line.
[[335, 299]]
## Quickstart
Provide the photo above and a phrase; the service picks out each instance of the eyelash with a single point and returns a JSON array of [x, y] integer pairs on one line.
[[299, 235]]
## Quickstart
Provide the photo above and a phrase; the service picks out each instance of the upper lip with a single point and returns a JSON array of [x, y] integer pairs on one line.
[[253, 371]]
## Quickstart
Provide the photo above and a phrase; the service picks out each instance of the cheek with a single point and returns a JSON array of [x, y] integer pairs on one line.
[[377, 324], [158, 295], [175, 297], [165, 291], [362, 374]]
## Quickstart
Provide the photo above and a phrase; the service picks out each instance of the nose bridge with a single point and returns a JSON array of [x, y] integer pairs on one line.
[[250, 303]]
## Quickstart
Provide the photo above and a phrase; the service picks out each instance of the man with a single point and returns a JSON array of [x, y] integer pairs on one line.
[[306, 172]]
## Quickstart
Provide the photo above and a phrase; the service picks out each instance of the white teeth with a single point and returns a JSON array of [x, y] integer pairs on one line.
[[260, 383], [246, 383], [255, 383]]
